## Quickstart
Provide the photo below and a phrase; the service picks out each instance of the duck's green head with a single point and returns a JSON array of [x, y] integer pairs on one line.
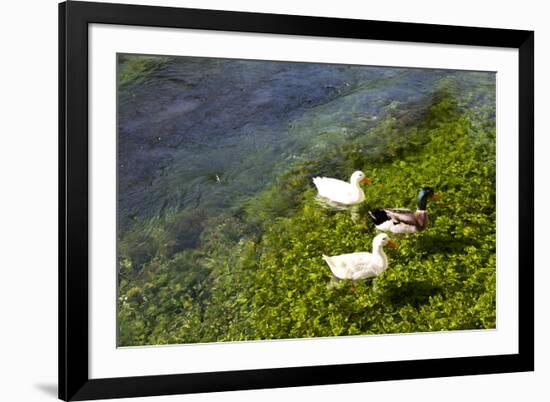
[[423, 195]]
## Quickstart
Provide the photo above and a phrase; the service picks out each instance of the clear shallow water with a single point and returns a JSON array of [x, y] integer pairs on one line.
[[197, 133]]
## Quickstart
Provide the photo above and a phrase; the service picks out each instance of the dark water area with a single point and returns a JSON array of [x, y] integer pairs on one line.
[[211, 133]]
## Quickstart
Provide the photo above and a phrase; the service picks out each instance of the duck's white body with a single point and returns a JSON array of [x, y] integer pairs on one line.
[[402, 221], [363, 265], [341, 191]]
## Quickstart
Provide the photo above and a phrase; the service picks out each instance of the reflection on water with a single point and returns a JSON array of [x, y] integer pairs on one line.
[[331, 205]]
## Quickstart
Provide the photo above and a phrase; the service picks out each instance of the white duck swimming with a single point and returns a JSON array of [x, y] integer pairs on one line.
[[341, 191], [358, 266]]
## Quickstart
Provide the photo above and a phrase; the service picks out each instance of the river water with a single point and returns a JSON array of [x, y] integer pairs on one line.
[[210, 133]]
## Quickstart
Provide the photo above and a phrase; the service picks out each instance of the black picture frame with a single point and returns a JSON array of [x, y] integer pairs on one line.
[[74, 381]]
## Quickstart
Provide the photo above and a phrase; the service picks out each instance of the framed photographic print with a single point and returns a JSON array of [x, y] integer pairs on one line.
[[256, 200]]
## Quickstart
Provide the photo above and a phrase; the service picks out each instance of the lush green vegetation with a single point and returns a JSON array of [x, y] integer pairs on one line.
[[256, 272]]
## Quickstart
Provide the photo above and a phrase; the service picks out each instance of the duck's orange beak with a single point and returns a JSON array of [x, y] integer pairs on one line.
[[391, 244], [436, 197], [366, 180]]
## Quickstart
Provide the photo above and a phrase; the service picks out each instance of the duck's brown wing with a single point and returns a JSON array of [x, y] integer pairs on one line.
[[401, 215]]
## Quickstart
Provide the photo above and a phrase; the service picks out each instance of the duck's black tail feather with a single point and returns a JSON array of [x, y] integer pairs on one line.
[[379, 216]]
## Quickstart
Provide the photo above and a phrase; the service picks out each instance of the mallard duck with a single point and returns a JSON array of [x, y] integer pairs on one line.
[[340, 191], [397, 220], [358, 266]]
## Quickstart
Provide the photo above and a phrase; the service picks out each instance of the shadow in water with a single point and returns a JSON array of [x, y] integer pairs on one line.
[[412, 293], [48, 389], [442, 243]]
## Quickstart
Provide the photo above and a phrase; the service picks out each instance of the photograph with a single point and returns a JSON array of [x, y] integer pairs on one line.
[[212, 201], [266, 200]]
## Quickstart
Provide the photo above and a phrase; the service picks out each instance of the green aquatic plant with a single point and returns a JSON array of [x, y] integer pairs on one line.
[[257, 272], [134, 68]]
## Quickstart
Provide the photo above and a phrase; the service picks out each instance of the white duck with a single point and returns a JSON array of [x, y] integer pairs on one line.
[[343, 192], [358, 266]]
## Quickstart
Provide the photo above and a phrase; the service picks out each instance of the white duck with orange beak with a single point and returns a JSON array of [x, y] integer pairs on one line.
[[363, 265], [341, 191]]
